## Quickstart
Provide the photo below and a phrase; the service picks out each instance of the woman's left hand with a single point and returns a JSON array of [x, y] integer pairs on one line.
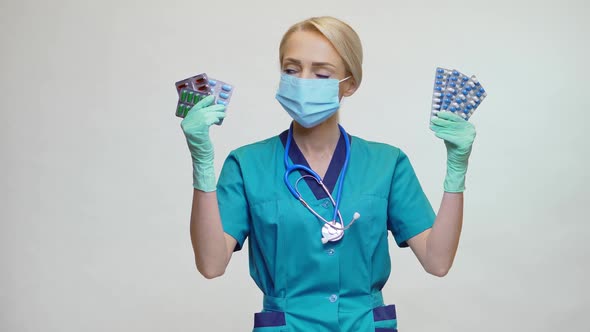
[[458, 135]]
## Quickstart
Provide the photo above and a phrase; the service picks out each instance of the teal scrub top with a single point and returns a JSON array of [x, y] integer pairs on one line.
[[307, 285]]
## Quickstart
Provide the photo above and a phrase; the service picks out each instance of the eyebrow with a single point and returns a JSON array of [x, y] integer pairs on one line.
[[313, 64]]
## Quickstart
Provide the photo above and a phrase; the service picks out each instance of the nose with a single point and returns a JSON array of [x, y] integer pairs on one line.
[[306, 73]]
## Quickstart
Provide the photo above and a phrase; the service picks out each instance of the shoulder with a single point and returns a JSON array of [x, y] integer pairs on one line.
[[260, 149], [374, 149], [262, 144], [255, 160]]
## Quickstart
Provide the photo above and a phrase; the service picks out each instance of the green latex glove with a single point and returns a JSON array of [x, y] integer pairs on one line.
[[195, 126], [458, 135]]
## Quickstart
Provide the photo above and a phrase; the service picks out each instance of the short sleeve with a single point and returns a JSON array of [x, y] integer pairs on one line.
[[409, 211], [233, 205]]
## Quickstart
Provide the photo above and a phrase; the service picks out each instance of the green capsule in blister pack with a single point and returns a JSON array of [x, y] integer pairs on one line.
[[188, 98]]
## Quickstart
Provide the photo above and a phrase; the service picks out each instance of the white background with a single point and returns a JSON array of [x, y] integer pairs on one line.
[[96, 176]]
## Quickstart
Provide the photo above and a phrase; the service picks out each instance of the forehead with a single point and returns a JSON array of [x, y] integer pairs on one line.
[[311, 46]]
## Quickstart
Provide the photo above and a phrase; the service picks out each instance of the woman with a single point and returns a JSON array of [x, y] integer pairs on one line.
[[322, 261]]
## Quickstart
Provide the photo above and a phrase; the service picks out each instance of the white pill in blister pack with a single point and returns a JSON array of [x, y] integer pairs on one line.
[[440, 82], [456, 92]]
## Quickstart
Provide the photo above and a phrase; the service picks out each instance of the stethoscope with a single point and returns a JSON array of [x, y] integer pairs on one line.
[[331, 230]]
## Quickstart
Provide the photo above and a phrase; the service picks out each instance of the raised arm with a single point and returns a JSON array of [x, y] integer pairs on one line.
[[211, 245], [436, 247]]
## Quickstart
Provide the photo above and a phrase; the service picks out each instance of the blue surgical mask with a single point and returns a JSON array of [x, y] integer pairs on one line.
[[309, 101]]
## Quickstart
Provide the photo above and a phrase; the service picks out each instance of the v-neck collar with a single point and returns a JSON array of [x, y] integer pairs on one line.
[[333, 171]]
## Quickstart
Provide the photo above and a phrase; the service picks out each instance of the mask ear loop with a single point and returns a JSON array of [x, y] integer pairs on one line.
[[344, 79]]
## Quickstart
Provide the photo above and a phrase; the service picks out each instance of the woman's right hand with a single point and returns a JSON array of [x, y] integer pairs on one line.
[[195, 126]]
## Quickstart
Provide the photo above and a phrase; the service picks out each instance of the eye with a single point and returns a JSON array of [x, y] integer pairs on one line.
[[289, 71], [323, 73]]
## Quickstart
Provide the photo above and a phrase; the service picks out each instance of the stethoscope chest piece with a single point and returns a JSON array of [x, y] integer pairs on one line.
[[331, 231]]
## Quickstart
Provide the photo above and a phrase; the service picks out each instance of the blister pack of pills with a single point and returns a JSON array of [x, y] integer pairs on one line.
[[191, 90], [196, 83], [456, 92], [221, 90], [187, 99]]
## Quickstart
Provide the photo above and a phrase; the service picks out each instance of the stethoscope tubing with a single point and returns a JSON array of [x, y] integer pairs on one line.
[[316, 176]]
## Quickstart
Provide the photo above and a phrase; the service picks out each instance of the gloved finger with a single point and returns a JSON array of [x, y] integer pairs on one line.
[[214, 118], [446, 126], [450, 116], [193, 112], [458, 126], [435, 127], [204, 102], [214, 108], [447, 137], [201, 120], [460, 141], [440, 122], [443, 130]]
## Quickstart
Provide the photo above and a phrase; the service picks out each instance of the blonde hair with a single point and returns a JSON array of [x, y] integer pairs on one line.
[[344, 39]]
